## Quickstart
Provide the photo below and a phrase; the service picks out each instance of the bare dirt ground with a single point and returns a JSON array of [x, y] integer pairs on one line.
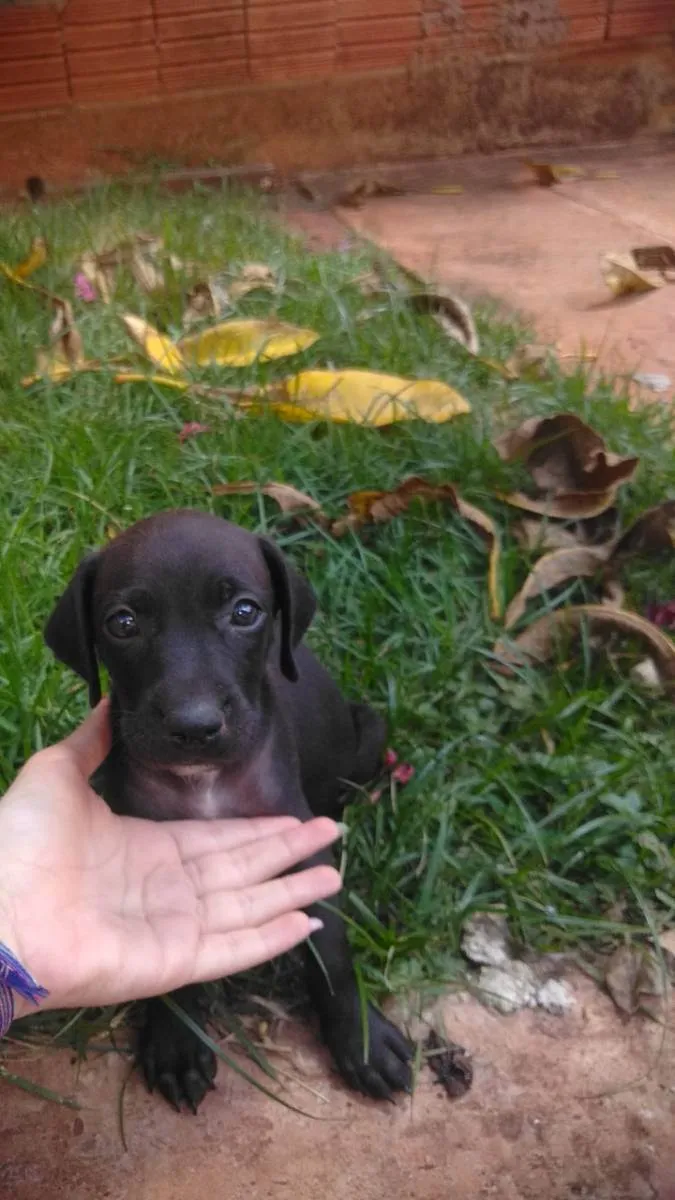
[[562, 1108]]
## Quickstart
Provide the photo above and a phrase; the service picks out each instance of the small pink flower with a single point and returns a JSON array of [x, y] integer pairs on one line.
[[191, 429], [403, 773], [662, 615], [84, 288], [375, 796], [390, 758]]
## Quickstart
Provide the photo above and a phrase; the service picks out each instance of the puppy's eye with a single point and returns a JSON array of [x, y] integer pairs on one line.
[[122, 624], [246, 613]]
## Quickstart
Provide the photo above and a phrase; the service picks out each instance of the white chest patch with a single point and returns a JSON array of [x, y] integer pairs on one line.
[[206, 798]]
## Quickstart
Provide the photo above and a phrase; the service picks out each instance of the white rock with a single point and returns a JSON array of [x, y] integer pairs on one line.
[[485, 939], [556, 997], [508, 988]]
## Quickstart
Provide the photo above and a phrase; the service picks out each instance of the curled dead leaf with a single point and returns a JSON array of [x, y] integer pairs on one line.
[[450, 313], [624, 278], [207, 298], [377, 506], [289, 499], [654, 258], [551, 571], [357, 192], [537, 643], [253, 277], [570, 464], [652, 533]]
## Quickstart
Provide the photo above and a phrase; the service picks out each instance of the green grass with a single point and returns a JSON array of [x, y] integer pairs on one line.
[[490, 818]]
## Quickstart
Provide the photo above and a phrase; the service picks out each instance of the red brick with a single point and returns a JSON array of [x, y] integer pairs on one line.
[[642, 22], [31, 97], [352, 10], [291, 16], [90, 12], [46, 70], [128, 85], [115, 33], [211, 24], [27, 20], [132, 59], [39, 44], [311, 64], [369, 32], [193, 76], [201, 50], [374, 57], [273, 44]]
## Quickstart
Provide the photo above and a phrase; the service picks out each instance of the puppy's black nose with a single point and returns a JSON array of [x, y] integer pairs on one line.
[[198, 722]]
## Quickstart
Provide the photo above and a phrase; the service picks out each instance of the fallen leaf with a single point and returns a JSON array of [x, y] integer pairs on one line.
[[449, 312], [448, 189], [656, 381], [538, 641], [543, 536], [374, 506], [65, 334], [158, 348], [239, 343], [364, 397], [624, 278], [645, 674], [191, 429], [252, 277], [550, 572], [36, 258], [654, 258], [635, 980], [570, 464], [547, 174], [652, 533], [100, 278], [289, 499], [148, 276], [180, 385], [450, 1063], [207, 298], [356, 193]]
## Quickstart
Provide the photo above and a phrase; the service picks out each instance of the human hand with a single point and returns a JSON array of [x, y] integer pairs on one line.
[[101, 908]]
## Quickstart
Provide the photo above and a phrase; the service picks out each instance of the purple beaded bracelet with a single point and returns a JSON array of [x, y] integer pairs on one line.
[[15, 978]]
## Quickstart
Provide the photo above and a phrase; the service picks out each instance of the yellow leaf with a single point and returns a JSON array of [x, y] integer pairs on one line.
[[239, 343], [159, 349], [36, 258], [365, 398], [181, 385], [624, 278]]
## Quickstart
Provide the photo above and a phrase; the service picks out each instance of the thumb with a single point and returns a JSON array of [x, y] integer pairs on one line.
[[90, 743]]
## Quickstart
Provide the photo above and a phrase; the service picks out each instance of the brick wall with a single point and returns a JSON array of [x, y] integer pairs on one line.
[[86, 52]]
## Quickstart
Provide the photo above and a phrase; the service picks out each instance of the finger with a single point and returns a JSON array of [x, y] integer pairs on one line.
[[225, 911], [223, 954], [90, 743], [197, 838], [262, 859]]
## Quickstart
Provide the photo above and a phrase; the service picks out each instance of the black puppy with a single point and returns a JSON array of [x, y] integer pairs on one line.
[[219, 711]]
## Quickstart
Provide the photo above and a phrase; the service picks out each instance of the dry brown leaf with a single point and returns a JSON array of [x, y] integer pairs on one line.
[[289, 499], [550, 572], [360, 190], [635, 980], [654, 258], [624, 278], [570, 464], [653, 533], [543, 536], [64, 332], [253, 277], [538, 641], [376, 506], [207, 298], [148, 276], [101, 278], [452, 315]]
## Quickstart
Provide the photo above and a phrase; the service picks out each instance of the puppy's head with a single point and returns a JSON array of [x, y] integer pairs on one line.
[[186, 612]]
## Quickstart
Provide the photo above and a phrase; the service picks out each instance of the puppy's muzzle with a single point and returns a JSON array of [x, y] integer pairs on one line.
[[193, 723]]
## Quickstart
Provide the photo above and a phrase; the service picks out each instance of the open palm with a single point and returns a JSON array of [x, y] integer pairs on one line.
[[102, 908]]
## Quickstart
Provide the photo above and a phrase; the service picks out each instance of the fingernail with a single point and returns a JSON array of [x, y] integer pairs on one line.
[[315, 925], [342, 828]]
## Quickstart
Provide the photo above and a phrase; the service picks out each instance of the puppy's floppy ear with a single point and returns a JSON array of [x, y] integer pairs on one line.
[[69, 632], [294, 601]]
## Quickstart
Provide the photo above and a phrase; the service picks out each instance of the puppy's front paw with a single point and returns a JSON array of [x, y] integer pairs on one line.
[[385, 1069], [173, 1059]]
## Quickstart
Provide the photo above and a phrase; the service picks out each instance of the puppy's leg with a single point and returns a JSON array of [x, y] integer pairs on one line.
[[172, 1058], [371, 736], [371, 1054]]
